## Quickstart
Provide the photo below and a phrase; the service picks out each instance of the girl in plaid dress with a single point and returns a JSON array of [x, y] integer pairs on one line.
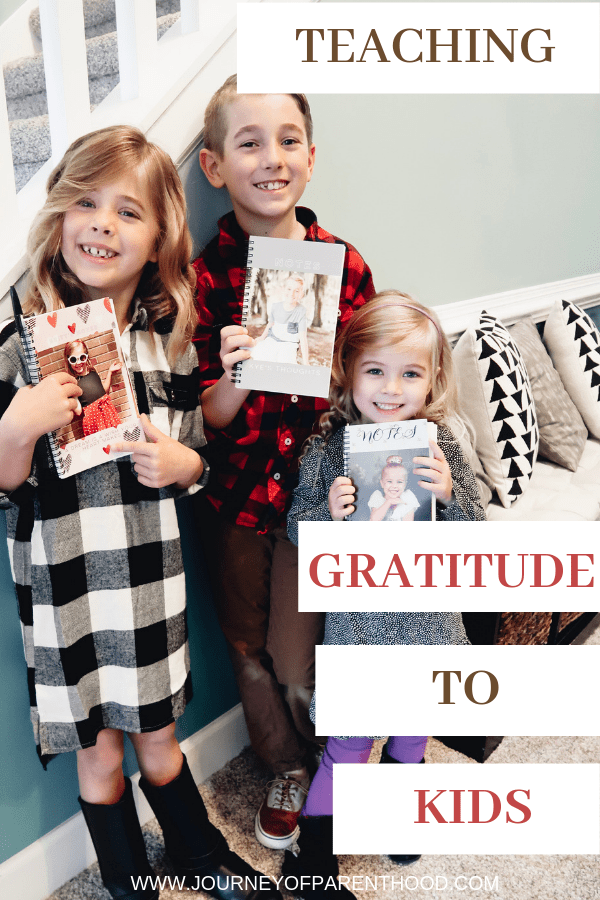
[[391, 363], [96, 557]]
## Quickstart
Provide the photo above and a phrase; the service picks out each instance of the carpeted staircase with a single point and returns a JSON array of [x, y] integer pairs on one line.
[[26, 87]]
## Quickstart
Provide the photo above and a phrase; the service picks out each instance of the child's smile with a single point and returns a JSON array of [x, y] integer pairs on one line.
[[266, 162], [390, 385], [108, 237], [98, 251], [79, 360], [393, 486], [293, 292], [272, 186]]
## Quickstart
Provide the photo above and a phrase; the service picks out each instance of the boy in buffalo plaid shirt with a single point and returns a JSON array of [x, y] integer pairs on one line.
[[260, 148]]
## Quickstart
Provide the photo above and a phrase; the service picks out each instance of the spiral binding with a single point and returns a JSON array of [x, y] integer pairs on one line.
[[237, 369], [346, 452], [33, 364], [346, 448]]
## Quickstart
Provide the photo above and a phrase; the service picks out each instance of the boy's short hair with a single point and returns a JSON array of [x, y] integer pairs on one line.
[[215, 125]]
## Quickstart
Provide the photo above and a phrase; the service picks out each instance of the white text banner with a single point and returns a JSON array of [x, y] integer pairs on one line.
[[457, 690], [461, 808], [465, 566], [419, 48]]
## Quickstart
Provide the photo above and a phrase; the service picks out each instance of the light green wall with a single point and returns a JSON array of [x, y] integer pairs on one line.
[[453, 197], [7, 8]]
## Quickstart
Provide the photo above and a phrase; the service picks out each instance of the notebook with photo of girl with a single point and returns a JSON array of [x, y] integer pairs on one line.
[[379, 460], [83, 341]]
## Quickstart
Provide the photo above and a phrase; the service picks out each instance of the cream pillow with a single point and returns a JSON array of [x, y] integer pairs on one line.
[[573, 342], [496, 397], [562, 430]]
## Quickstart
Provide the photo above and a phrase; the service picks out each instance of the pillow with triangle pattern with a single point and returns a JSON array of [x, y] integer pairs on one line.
[[496, 397], [573, 342]]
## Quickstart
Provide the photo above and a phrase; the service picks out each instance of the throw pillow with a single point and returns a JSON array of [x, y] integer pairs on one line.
[[495, 396], [562, 431], [573, 342]]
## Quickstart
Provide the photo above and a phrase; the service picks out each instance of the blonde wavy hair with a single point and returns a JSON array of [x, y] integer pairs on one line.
[[391, 320], [166, 288]]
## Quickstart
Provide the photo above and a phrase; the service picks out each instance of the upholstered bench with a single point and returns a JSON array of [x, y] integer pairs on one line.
[[556, 494], [533, 407]]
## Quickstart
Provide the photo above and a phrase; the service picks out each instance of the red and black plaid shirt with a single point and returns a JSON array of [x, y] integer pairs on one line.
[[255, 459]]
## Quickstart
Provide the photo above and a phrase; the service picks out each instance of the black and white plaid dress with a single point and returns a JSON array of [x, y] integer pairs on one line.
[[97, 566]]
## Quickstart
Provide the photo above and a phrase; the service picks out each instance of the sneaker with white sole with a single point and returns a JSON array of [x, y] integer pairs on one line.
[[276, 823]]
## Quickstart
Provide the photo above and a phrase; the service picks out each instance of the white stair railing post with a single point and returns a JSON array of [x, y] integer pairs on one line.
[[136, 41], [191, 15], [8, 191], [65, 64]]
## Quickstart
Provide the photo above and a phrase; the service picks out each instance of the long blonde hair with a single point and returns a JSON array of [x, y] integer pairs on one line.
[[394, 321], [166, 288]]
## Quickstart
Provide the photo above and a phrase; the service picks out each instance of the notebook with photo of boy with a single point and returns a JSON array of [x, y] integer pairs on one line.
[[379, 460], [291, 302]]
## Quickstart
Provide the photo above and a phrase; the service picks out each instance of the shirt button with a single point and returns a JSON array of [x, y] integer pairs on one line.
[[294, 398], [277, 476], [287, 442], [339, 314]]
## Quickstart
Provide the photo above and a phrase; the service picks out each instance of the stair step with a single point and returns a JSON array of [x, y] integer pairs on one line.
[[30, 142], [25, 81], [26, 87], [100, 18], [24, 172], [24, 76]]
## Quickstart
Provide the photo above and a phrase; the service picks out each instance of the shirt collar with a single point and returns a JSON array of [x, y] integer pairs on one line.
[[232, 236], [139, 319]]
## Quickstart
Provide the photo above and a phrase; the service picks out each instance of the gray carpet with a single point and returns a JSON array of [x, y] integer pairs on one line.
[[26, 87], [234, 793]]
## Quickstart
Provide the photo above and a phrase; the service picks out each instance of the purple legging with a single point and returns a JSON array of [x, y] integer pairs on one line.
[[353, 750]]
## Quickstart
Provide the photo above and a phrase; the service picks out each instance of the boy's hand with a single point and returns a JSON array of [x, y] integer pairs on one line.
[[235, 346], [162, 460], [341, 498], [438, 470], [37, 409]]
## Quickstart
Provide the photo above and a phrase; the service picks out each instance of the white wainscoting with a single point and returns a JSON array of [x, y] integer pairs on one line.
[[535, 301]]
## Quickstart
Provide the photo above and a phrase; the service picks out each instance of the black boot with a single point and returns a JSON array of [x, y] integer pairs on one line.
[[118, 841], [315, 861], [198, 851], [402, 859]]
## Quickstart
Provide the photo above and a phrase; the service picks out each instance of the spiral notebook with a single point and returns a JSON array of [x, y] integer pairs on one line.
[[85, 337], [291, 302], [379, 460]]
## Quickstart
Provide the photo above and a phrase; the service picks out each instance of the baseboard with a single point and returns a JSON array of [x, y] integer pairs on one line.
[[535, 301], [64, 852]]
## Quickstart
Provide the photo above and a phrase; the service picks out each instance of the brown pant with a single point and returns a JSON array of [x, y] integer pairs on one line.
[[272, 646]]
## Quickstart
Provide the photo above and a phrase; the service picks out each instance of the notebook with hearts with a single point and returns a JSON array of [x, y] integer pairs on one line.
[[84, 342]]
